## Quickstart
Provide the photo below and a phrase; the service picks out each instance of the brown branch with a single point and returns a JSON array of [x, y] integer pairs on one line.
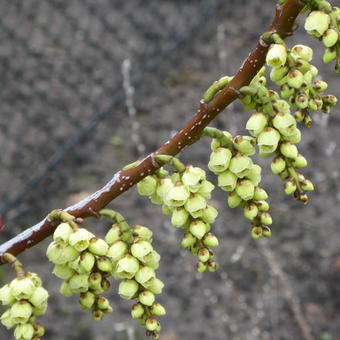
[[123, 180]]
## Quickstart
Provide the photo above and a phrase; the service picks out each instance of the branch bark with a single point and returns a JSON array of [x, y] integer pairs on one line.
[[122, 181]]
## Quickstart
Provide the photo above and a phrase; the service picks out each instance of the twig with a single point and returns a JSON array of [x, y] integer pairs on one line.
[[123, 180]]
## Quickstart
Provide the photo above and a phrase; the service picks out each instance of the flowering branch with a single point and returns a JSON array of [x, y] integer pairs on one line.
[[283, 24]]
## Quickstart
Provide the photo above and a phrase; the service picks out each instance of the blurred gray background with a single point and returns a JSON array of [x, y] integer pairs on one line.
[[88, 86]]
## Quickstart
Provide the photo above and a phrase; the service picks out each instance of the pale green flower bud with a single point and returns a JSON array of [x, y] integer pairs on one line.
[[266, 231], [294, 138], [151, 324], [256, 123], [215, 143], [195, 205], [240, 165], [87, 300], [329, 54], [40, 310], [227, 180], [234, 200], [80, 239], [330, 37], [127, 267], [262, 205], [98, 246], [146, 298], [281, 105], [24, 331], [152, 259], [103, 303], [204, 254], [330, 100], [104, 264], [300, 162], [156, 199], [212, 266], [250, 211], [63, 271], [276, 56], [266, 218], [268, 140], [205, 189], [128, 289], [188, 240], [295, 79], [97, 315], [317, 23], [39, 330], [166, 210], [303, 51], [277, 165], [63, 232], [219, 160], [260, 194], [301, 100], [21, 311], [113, 235], [320, 86], [210, 240], [284, 175], [245, 145], [290, 187], [156, 286], [165, 184], [95, 281], [179, 217], [137, 311], [142, 233], [147, 186], [7, 320], [198, 228], [276, 74], [79, 283], [66, 290], [192, 177], [289, 150], [245, 189], [141, 249], [256, 233], [117, 251], [39, 297], [22, 288], [201, 267], [307, 185], [285, 123], [254, 174], [304, 67], [35, 278], [145, 276], [157, 309], [209, 214], [287, 91], [6, 296], [86, 262], [177, 195]]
